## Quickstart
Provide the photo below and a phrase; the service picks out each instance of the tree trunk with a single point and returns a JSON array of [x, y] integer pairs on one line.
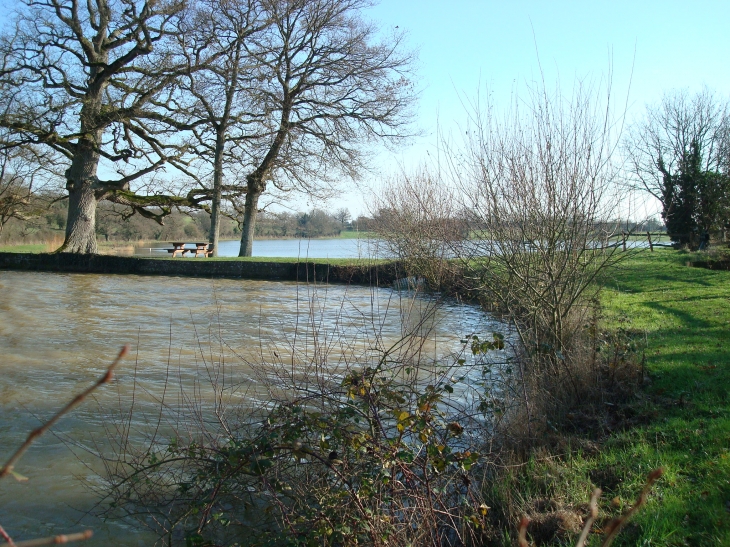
[[81, 185], [215, 215], [81, 223], [249, 221]]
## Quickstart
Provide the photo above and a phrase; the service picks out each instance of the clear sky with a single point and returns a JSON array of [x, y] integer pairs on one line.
[[655, 46]]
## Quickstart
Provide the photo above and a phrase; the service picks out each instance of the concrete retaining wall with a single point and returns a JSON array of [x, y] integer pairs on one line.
[[383, 274]]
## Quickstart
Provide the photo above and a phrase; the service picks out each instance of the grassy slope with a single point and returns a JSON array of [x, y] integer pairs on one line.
[[685, 414]]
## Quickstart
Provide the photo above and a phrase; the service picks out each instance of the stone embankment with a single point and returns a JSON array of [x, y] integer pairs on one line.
[[308, 271]]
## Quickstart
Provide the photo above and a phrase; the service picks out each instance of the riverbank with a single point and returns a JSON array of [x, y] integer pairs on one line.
[[361, 271], [678, 317], [679, 421]]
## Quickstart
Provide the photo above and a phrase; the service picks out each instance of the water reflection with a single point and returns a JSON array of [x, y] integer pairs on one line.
[[58, 332]]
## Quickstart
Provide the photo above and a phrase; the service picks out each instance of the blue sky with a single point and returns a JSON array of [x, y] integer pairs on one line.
[[464, 44]]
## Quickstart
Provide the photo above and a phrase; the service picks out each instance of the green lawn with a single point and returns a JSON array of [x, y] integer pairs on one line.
[[682, 417], [686, 315]]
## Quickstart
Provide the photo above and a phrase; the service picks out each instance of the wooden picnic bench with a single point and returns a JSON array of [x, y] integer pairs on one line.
[[201, 249]]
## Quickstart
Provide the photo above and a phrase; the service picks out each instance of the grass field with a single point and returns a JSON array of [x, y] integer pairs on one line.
[[681, 420]]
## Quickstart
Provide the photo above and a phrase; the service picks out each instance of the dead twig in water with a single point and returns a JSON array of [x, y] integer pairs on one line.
[[6, 537]]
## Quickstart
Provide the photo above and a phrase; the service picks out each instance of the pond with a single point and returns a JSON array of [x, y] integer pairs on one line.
[[58, 333]]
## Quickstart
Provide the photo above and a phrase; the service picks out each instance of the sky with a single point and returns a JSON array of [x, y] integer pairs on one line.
[[464, 46]]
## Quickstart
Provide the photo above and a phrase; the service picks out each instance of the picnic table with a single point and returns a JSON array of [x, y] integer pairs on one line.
[[201, 249]]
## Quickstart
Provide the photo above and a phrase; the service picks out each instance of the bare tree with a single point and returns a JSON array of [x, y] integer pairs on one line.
[[21, 171], [419, 222], [540, 190], [523, 209], [218, 37], [679, 153], [343, 216], [328, 87], [85, 80]]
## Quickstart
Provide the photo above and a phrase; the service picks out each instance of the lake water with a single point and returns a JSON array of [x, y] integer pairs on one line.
[[320, 248], [58, 333], [298, 248]]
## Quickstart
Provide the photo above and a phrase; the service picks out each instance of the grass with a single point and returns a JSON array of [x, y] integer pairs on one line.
[[37, 248], [42, 248], [681, 421], [685, 313], [353, 234]]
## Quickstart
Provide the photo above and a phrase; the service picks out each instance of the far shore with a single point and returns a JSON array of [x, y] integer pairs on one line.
[[106, 246]]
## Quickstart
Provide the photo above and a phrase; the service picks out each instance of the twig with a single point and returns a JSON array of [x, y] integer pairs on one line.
[[55, 540], [522, 538], [616, 525], [8, 467], [591, 518], [6, 537]]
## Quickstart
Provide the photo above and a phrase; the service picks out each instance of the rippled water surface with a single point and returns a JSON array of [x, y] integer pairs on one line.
[[58, 333]]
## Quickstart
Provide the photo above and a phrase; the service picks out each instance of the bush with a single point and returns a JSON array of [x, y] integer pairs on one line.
[[372, 446]]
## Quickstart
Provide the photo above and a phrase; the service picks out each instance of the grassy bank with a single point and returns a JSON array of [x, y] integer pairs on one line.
[[288, 260], [681, 420]]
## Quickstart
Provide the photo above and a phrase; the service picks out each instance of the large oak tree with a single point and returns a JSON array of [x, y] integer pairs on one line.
[[289, 92], [86, 80]]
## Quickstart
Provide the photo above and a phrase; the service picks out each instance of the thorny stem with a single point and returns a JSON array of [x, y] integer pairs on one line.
[[614, 527], [522, 538], [589, 521]]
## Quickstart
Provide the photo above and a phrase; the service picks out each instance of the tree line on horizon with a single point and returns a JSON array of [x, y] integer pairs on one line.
[[46, 222]]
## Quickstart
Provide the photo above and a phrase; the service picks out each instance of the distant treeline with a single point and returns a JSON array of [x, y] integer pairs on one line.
[[46, 222]]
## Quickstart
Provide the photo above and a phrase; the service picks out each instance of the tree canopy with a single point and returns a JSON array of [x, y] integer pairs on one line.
[[134, 94]]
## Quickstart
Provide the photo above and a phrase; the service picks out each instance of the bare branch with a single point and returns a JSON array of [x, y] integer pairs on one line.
[[55, 540], [33, 436]]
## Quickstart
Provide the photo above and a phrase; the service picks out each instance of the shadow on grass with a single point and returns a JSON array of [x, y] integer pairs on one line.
[[687, 318]]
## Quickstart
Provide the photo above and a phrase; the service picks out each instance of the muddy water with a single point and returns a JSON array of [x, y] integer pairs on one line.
[[59, 332]]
